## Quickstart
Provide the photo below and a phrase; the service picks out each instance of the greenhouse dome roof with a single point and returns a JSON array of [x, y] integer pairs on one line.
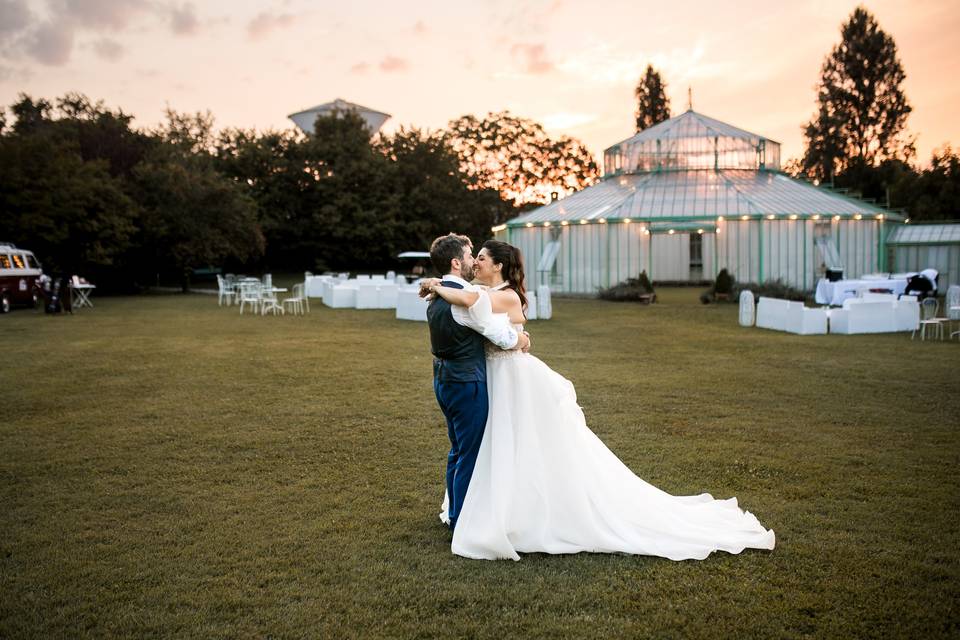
[[692, 167], [699, 195], [691, 140]]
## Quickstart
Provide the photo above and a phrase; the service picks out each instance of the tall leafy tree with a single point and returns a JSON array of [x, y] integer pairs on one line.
[[861, 107], [517, 158], [192, 217], [73, 214], [431, 195], [653, 105]]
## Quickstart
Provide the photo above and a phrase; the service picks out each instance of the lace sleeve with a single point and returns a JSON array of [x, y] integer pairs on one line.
[[495, 327]]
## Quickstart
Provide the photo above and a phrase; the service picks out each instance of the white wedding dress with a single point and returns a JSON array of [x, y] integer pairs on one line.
[[544, 482]]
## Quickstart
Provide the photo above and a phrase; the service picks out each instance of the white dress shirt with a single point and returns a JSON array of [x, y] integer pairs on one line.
[[501, 334]]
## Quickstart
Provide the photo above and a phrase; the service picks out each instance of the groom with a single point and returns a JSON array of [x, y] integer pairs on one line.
[[459, 364]]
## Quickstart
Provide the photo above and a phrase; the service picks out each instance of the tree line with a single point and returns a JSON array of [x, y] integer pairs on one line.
[[857, 140], [91, 194]]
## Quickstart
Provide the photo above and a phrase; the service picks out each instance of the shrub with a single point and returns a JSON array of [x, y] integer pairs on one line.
[[770, 289], [637, 289], [722, 289]]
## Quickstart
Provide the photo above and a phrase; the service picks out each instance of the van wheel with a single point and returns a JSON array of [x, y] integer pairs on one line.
[[5, 303]]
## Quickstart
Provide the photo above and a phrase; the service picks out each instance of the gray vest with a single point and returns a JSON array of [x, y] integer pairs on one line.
[[458, 351]]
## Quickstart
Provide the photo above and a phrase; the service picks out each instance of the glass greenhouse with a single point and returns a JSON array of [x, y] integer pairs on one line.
[[688, 197], [691, 141]]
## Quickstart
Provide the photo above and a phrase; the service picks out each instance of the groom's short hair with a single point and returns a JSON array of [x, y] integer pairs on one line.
[[445, 249]]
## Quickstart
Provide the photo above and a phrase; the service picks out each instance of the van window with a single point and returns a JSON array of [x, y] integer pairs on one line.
[[5, 261], [32, 261], [18, 261]]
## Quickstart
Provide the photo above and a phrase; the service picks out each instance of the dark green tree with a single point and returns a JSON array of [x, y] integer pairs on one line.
[[861, 107], [73, 214], [432, 195], [192, 217], [517, 158], [934, 193], [653, 105]]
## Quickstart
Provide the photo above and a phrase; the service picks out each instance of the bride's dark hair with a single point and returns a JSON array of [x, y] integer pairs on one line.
[[512, 265]]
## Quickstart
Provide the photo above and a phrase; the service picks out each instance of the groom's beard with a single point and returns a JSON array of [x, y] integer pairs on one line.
[[466, 272]]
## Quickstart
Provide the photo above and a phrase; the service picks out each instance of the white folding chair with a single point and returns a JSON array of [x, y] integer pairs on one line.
[[249, 295], [225, 291], [296, 301], [953, 307], [928, 318]]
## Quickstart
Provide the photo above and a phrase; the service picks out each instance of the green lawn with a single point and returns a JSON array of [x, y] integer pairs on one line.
[[169, 468]]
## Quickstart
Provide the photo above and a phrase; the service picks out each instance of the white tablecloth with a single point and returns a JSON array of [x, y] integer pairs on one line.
[[835, 293]]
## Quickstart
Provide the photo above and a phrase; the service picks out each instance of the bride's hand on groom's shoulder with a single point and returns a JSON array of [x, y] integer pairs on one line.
[[426, 286]]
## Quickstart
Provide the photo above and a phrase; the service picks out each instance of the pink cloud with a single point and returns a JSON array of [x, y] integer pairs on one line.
[[533, 57], [393, 63], [266, 22]]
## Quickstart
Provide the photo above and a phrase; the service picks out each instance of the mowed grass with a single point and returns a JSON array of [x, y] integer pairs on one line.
[[169, 468]]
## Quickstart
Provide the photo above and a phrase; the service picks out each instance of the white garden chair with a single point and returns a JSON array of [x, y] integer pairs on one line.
[[928, 318], [747, 308], [250, 296], [298, 301], [953, 307], [225, 291], [269, 302]]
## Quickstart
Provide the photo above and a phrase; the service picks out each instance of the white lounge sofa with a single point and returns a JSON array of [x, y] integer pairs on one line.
[[790, 316], [772, 313], [341, 296], [864, 316], [411, 306], [805, 321]]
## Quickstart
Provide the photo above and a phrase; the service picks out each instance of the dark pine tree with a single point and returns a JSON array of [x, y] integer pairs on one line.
[[653, 106], [861, 107]]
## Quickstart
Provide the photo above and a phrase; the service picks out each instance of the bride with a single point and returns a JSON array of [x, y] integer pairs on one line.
[[544, 482]]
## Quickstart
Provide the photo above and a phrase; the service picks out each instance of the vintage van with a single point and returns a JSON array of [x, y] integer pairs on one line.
[[19, 272]]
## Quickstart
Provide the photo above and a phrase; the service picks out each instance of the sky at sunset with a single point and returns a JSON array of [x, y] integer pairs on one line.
[[571, 65]]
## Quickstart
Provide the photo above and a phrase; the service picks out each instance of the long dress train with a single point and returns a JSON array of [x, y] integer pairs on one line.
[[544, 482]]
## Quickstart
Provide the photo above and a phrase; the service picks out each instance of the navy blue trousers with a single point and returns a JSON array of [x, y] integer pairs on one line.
[[465, 406]]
